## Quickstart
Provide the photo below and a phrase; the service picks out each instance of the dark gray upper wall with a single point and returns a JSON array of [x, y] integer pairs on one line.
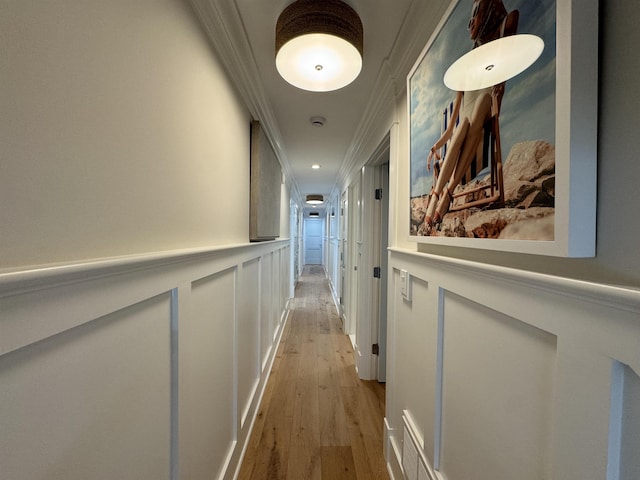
[[617, 258]]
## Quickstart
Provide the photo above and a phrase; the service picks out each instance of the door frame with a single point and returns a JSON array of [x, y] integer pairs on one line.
[[372, 292]]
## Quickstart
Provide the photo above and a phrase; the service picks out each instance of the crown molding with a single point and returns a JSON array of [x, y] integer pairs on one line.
[[381, 113], [225, 30], [223, 27]]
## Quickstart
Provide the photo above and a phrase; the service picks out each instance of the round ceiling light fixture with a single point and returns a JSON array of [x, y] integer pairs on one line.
[[319, 44], [493, 63], [315, 199]]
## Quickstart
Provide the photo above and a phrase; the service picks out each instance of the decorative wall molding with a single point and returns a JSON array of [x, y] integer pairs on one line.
[[167, 352], [223, 26], [28, 279], [539, 357], [609, 295]]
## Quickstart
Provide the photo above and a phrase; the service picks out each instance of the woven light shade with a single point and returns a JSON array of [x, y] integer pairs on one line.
[[315, 199], [319, 44]]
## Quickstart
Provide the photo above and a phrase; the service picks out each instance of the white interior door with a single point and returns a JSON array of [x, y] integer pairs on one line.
[[382, 229], [313, 241]]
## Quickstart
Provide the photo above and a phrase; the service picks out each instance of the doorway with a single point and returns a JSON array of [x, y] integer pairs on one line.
[[313, 232], [371, 333]]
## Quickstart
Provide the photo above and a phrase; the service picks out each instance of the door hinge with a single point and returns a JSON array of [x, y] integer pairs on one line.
[[376, 272], [375, 349], [378, 194]]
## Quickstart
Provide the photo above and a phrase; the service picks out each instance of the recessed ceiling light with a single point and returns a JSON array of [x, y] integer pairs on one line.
[[315, 166]]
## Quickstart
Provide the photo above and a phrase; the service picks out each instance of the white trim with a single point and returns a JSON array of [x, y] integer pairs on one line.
[[30, 278], [576, 121], [590, 327], [612, 296], [46, 305], [258, 400]]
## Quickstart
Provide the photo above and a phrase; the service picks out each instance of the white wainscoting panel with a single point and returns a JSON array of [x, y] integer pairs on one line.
[[92, 401], [248, 337], [512, 374], [285, 281], [207, 390], [503, 368], [138, 368], [266, 312], [415, 381], [275, 293], [630, 423]]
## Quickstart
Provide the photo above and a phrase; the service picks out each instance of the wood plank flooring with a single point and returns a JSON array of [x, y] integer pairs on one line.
[[317, 420]]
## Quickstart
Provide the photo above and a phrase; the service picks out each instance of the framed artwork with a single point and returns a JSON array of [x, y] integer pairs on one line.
[[510, 166], [266, 180]]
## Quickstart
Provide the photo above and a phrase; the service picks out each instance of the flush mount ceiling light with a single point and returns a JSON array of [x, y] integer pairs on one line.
[[493, 63], [315, 199], [319, 44], [315, 166]]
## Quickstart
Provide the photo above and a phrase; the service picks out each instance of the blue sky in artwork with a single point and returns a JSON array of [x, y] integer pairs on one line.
[[528, 106]]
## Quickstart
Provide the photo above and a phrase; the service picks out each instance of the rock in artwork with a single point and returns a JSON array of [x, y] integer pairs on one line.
[[528, 210]]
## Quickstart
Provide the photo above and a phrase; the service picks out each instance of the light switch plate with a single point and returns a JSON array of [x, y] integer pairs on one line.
[[405, 285]]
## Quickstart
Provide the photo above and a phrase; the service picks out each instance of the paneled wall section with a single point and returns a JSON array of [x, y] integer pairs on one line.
[[138, 368], [501, 373]]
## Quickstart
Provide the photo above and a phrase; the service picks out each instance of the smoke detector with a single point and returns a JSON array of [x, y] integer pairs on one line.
[[318, 121]]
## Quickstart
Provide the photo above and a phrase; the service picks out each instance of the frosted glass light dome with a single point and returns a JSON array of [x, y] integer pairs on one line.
[[319, 62]]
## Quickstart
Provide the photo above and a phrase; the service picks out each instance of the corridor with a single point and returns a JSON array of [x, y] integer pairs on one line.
[[317, 420]]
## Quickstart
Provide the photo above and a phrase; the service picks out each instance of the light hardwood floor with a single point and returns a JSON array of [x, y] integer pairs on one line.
[[317, 420]]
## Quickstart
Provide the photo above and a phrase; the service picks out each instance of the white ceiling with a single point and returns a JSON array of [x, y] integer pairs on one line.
[[243, 32]]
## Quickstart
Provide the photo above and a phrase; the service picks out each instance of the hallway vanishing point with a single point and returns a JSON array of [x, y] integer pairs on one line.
[[317, 420]]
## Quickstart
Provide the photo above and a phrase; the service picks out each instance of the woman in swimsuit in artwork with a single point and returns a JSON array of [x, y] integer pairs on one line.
[[489, 21]]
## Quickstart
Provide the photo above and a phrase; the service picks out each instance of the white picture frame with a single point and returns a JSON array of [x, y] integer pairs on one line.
[[565, 119]]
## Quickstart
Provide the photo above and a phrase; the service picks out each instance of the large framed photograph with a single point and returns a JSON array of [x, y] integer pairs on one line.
[[511, 165]]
